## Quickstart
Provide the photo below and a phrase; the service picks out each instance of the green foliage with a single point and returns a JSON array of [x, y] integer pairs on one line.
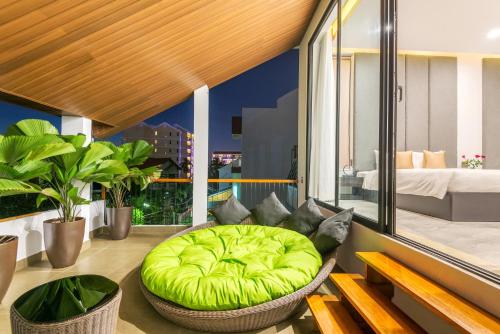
[[33, 149], [137, 216], [131, 155], [164, 203], [65, 298]]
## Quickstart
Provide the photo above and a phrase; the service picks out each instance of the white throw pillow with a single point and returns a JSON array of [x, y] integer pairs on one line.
[[418, 159]]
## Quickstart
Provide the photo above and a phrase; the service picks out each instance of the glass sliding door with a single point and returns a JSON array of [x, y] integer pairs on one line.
[[359, 107], [344, 109], [448, 117]]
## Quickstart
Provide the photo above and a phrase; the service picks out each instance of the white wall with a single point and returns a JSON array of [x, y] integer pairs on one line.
[[30, 229], [469, 105], [200, 164]]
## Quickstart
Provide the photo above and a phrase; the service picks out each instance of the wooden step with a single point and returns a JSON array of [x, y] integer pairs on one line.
[[331, 316], [461, 314], [375, 308]]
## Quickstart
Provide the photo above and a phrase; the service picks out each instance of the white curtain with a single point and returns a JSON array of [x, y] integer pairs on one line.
[[323, 116]]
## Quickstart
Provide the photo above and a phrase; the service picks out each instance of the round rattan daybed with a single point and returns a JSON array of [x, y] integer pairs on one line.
[[239, 320]]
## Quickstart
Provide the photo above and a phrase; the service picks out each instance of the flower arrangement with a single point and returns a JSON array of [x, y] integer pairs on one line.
[[473, 163]]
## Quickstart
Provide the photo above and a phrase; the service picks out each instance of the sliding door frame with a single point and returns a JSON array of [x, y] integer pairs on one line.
[[384, 104]]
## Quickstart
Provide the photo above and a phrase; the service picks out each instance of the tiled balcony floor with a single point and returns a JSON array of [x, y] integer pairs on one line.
[[119, 261]]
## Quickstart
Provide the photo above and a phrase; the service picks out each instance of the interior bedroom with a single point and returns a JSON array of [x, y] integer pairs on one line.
[[447, 179]]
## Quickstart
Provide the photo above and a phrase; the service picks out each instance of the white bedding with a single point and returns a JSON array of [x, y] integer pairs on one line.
[[437, 182]]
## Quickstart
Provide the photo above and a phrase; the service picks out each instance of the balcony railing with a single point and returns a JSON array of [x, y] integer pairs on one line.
[[250, 192], [169, 201]]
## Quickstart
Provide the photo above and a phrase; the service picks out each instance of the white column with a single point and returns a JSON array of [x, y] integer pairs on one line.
[[200, 164], [469, 106], [72, 125]]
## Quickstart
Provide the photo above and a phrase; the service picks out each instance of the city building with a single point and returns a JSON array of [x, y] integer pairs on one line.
[[170, 142], [269, 138], [226, 157]]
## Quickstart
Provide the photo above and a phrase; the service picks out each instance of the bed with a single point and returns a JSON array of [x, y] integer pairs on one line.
[[454, 194]]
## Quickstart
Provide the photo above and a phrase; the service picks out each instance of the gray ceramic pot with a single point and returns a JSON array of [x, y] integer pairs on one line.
[[63, 241], [119, 222], [8, 257]]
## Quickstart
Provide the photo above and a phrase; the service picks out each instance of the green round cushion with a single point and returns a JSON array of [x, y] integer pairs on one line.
[[230, 267]]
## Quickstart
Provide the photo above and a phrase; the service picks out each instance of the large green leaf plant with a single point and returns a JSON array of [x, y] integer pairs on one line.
[[65, 298], [133, 155], [33, 150]]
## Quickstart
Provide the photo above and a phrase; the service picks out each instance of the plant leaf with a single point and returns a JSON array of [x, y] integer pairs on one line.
[[112, 167], [89, 297], [15, 187], [32, 127], [31, 169], [8, 172], [96, 152], [75, 198], [69, 160], [76, 140], [69, 305], [31, 307], [40, 199], [141, 150], [50, 192], [49, 150]]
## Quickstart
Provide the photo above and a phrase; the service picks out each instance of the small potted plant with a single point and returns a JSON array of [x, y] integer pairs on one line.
[[35, 149], [474, 162], [77, 304], [133, 155]]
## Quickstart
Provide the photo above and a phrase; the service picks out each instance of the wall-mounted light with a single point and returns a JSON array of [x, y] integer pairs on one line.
[[493, 33]]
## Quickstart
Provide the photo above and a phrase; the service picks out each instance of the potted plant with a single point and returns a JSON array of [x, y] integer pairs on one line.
[[22, 161], [119, 213], [76, 304], [8, 257], [474, 162], [67, 166]]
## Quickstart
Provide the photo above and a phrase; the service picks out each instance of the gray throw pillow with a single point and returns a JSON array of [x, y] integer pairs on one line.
[[333, 231], [232, 212], [305, 219], [270, 212]]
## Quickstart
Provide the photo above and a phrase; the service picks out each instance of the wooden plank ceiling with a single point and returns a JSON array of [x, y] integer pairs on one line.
[[120, 62]]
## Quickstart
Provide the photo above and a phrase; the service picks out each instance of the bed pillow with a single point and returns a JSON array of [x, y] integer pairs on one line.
[[333, 231], [270, 212], [305, 219], [404, 160], [232, 212], [418, 159], [434, 159]]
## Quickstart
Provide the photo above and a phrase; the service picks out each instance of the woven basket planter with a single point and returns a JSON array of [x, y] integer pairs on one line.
[[101, 320], [240, 320]]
